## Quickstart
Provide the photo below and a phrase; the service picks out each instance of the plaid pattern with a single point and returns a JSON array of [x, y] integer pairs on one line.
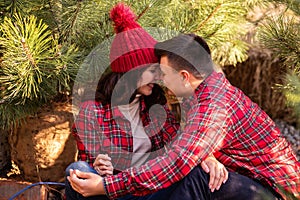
[[220, 119], [103, 129]]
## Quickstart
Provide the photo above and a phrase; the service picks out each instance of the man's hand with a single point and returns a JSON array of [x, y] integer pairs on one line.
[[218, 174], [86, 183], [103, 165]]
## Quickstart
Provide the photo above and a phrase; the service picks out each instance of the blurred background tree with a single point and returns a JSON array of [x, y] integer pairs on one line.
[[43, 43], [281, 34]]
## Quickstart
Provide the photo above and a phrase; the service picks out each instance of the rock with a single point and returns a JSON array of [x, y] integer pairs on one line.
[[291, 134], [43, 146]]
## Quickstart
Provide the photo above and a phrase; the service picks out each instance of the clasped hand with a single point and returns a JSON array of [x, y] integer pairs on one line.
[[103, 165], [90, 184]]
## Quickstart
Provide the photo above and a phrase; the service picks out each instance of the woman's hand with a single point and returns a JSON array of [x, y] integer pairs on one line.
[[218, 174], [86, 183], [103, 165]]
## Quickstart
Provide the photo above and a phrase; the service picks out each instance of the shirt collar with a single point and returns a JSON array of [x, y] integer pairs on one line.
[[212, 79], [113, 112]]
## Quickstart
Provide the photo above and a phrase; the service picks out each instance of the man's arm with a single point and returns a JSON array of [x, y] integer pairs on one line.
[[204, 132]]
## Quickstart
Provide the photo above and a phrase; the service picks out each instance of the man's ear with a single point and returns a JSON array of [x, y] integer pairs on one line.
[[185, 75]]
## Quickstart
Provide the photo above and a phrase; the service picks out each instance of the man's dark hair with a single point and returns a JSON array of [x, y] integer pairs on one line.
[[187, 52]]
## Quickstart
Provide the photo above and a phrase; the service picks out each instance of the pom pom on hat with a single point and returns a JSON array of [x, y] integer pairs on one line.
[[132, 46], [123, 18]]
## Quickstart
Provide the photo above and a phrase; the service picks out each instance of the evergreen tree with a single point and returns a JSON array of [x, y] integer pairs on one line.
[[33, 69], [221, 22], [40, 40], [43, 42], [34, 66], [281, 34]]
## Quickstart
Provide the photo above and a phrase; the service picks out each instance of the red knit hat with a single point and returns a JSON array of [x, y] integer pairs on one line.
[[132, 46]]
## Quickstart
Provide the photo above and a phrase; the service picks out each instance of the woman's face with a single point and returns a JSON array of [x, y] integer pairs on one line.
[[147, 80]]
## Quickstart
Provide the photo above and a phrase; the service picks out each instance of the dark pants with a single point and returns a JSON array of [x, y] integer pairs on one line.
[[193, 187], [237, 187]]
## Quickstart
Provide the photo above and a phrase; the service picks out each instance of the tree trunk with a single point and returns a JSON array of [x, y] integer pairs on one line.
[[5, 159]]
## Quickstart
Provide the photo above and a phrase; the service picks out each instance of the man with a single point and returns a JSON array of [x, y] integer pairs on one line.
[[220, 120]]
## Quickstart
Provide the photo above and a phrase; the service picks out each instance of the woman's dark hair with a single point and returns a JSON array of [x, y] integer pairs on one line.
[[122, 88], [187, 52]]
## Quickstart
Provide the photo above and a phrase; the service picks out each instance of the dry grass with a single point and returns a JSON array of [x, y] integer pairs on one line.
[[257, 78]]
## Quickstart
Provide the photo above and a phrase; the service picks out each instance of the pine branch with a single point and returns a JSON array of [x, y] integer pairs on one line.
[[28, 70], [51, 10], [281, 36], [72, 21], [28, 53], [144, 11], [208, 17]]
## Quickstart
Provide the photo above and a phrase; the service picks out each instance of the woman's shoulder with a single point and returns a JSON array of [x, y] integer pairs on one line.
[[95, 105]]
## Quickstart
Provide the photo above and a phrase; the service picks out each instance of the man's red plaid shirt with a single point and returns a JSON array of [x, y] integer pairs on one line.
[[221, 119]]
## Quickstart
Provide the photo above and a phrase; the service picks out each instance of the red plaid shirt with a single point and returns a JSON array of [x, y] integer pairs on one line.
[[221, 119], [103, 129]]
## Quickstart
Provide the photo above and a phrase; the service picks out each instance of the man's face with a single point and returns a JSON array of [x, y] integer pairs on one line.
[[171, 78]]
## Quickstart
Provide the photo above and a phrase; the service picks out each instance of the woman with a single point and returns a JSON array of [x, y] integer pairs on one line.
[[124, 130], [117, 119]]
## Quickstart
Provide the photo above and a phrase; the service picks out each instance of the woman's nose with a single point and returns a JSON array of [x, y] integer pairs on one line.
[[157, 77]]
